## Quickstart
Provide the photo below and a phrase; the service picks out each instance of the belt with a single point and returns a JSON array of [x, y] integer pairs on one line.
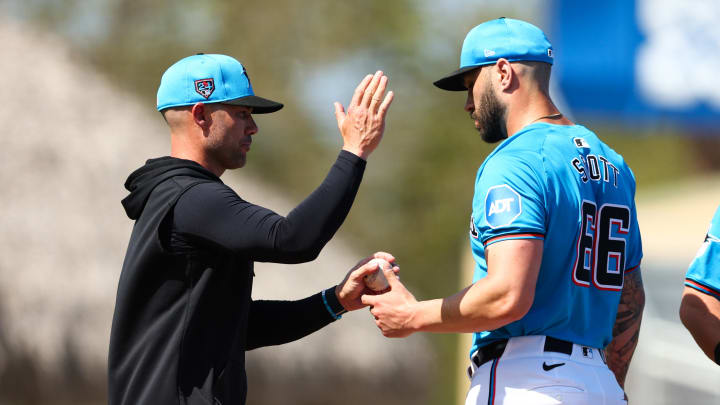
[[495, 349]]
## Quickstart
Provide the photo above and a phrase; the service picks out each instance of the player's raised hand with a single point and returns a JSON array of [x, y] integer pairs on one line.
[[363, 125], [394, 309], [353, 286]]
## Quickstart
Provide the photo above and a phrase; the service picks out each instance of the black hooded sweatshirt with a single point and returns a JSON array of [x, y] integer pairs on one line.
[[184, 316]]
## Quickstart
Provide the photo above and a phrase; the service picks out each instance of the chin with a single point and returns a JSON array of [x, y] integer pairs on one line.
[[235, 164], [239, 160], [491, 137]]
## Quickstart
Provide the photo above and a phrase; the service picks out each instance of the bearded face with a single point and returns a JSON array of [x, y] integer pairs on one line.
[[489, 116]]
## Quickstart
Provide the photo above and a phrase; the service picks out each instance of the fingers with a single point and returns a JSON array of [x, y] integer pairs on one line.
[[365, 269], [390, 259], [391, 277], [385, 256], [386, 104], [362, 262], [379, 93], [370, 90], [368, 300], [359, 91], [339, 113]]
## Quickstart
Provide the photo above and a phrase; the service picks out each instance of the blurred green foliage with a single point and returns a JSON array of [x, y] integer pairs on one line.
[[416, 197]]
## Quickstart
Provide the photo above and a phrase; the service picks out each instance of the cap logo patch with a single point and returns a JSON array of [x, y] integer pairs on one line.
[[205, 87], [489, 53], [502, 206], [550, 53]]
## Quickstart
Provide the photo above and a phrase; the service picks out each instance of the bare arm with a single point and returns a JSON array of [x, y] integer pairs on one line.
[[627, 326], [700, 313], [504, 296]]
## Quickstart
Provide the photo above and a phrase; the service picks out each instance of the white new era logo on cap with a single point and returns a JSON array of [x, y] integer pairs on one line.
[[489, 53]]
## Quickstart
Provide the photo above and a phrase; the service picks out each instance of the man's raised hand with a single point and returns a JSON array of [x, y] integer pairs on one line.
[[363, 125]]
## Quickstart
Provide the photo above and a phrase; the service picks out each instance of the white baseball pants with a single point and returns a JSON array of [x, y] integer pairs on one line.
[[526, 374]]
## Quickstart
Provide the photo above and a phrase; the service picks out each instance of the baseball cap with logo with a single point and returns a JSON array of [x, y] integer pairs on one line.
[[210, 78], [513, 40]]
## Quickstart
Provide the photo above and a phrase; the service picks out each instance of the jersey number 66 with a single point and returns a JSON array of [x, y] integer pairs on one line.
[[600, 252]]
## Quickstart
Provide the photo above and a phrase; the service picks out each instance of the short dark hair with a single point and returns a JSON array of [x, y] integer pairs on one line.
[[540, 73], [184, 107]]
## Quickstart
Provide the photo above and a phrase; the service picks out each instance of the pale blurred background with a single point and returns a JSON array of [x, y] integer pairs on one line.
[[80, 78]]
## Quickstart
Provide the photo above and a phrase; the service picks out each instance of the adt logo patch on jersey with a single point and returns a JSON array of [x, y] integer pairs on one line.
[[502, 206], [205, 87]]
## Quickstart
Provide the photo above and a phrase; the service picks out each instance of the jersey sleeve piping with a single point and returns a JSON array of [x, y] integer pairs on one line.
[[631, 269], [704, 288], [513, 236]]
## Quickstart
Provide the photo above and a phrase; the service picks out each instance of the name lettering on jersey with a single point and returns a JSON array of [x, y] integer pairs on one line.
[[596, 168], [502, 205]]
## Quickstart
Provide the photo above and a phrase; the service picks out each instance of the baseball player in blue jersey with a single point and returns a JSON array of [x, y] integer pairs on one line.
[[700, 306], [556, 301]]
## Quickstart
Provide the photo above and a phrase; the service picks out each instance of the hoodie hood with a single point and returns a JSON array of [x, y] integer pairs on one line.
[[143, 181]]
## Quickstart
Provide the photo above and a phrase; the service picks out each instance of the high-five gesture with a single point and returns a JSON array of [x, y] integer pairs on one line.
[[363, 124]]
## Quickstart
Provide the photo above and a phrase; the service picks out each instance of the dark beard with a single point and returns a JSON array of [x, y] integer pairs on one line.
[[491, 118]]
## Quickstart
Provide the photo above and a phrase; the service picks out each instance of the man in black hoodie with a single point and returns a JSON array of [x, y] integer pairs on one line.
[[184, 316]]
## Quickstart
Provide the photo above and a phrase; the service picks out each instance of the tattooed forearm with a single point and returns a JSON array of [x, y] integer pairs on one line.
[[627, 326]]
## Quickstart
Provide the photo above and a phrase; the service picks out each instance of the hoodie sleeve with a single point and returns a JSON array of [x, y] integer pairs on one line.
[[213, 214], [278, 322]]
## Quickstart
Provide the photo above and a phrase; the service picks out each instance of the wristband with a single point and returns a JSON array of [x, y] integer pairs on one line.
[[332, 299], [717, 353]]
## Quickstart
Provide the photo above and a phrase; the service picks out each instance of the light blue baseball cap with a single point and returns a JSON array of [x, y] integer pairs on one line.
[[506, 38], [210, 78]]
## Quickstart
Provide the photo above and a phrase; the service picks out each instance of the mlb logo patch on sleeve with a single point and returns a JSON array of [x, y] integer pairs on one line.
[[580, 143], [502, 206]]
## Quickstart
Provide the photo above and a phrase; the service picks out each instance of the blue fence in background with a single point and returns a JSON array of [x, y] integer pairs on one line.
[[647, 62]]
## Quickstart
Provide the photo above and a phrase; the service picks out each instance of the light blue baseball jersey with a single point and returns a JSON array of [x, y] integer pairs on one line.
[[704, 272], [563, 185]]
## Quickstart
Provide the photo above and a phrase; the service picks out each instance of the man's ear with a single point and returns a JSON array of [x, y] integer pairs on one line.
[[201, 115], [505, 74]]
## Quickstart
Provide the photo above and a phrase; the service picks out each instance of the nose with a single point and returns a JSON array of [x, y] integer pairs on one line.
[[469, 102], [252, 127]]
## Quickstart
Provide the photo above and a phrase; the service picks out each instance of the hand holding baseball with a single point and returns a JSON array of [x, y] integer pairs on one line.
[[376, 280], [393, 310], [363, 125], [353, 286]]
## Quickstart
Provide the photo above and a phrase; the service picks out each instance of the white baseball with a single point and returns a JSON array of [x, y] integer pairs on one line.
[[376, 281]]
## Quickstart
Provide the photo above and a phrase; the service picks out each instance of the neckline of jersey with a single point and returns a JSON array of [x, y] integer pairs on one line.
[[522, 131]]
